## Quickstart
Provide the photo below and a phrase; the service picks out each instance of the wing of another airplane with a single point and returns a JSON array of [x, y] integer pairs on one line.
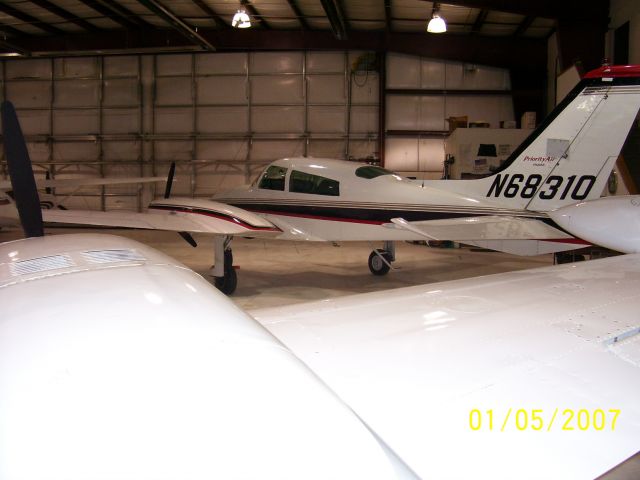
[[530, 374], [85, 182], [180, 215]]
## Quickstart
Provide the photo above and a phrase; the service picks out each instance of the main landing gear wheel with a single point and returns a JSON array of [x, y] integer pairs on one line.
[[229, 282], [377, 265]]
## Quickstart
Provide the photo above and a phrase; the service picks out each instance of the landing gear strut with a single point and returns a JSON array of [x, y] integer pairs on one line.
[[380, 259], [224, 274]]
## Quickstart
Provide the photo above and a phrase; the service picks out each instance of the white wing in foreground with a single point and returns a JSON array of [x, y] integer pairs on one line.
[[530, 374]]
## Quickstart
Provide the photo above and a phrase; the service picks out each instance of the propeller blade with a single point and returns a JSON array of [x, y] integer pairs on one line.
[[188, 238], [172, 171], [48, 190], [25, 191]]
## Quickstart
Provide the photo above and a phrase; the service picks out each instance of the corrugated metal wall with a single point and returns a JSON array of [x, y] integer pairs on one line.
[[223, 116]]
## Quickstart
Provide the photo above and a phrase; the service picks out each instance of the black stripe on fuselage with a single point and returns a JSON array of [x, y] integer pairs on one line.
[[359, 215]]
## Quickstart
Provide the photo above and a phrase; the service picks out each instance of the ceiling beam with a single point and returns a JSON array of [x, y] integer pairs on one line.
[[255, 15], [335, 14], [7, 30], [524, 25], [593, 10], [124, 12], [177, 23], [62, 13], [210, 13], [108, 13], [298, 13], [387, 15], [484, 50], [480, 19], [25, 17]]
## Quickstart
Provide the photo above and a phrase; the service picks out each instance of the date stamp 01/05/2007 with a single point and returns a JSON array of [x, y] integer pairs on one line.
[[532, 419]]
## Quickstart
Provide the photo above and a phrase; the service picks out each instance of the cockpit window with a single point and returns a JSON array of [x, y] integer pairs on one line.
[[370, 171], [273, 178], [301, 182]]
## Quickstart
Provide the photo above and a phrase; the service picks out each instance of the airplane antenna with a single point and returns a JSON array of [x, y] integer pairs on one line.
[[172, 171], [21, 173]]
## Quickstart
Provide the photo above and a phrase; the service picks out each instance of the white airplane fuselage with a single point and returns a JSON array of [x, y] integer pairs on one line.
[[361, 210]]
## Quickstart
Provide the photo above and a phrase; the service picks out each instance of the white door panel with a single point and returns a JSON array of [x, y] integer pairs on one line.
[[222, 90], [269, 150], [221, 63], [433, 74], [325, 62], [120, 121], [277, 89], [120, 66], [222, 149], [75, 122], [76, 67], [77, 93], [324, 119], [222, 119], [364, 119], [277, 119], [276, 62], [34, 122], [326, 88], [29, 94], [173, 91], [28, 68], [365, 88], [122, 91], [173, 65], [174, 120], [403, 71]]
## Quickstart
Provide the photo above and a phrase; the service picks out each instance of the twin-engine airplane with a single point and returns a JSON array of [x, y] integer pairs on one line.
[[118, 362], [566, 160]]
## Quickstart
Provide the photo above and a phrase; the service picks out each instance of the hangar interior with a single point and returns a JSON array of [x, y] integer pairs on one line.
[[125, 88], [166, 378]]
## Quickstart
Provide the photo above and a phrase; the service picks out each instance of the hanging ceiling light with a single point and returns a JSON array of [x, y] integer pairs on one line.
[[241, 20], [437, 23]]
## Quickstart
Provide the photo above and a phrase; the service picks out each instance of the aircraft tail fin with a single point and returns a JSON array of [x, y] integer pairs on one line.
[[569, 157]]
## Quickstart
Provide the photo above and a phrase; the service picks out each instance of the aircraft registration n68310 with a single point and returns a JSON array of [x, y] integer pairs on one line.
[[566, 160]]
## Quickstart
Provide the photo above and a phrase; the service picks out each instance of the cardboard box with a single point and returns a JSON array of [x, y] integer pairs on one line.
[[528, 120], [457, 122], [507, 124]]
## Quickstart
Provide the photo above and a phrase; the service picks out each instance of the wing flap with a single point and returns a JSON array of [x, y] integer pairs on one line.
[[492, 227]]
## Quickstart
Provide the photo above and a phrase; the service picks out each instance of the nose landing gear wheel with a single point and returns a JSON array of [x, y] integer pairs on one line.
[[377, 266], [228, 283]]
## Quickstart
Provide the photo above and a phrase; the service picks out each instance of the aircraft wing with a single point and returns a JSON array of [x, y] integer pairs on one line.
[[216, 218], [530, 374], [85, 182], [489, 227]]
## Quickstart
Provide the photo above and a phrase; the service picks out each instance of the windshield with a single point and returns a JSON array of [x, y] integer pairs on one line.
[[370, 171]]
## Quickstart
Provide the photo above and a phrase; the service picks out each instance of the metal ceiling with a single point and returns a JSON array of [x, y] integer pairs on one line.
[[46, 27]]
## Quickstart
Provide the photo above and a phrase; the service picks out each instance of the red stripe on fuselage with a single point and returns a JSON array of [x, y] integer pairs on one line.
[[220, 216]]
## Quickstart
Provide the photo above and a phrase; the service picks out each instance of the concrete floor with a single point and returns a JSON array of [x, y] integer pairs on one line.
[[275, 273]]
